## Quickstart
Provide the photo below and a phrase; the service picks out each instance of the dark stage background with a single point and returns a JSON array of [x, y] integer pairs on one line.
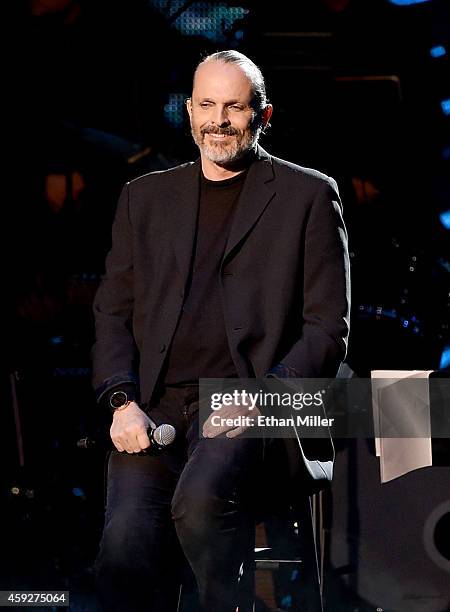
[[94, 94]]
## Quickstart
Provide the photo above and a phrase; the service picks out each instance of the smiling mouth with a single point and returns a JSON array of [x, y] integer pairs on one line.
[[218, 136]]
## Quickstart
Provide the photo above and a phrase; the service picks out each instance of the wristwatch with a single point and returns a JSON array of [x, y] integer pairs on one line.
[[119, 400]]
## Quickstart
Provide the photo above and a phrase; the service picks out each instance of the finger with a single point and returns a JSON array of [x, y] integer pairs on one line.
[[214, 431], [209, 431], [134, 444], [127, 444], [207, 427], [119, 447], [116, 440], [236, 432], [128, 439], [151, 424], [143, 440], [133, 439]]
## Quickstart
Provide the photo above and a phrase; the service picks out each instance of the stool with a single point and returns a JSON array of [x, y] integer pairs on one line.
[[307, 517], [307, 561]]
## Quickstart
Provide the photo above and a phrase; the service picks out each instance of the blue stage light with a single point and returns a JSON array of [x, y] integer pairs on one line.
[[407, 2], [438, 51], [445, 358], [445, 105], [445, 219], [213, 20], [174, 111], [286, 602]]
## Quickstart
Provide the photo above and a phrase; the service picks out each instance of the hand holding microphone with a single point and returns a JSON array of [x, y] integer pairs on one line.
[[133, 431]]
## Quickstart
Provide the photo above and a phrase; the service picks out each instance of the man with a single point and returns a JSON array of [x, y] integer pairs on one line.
[[232, 266]]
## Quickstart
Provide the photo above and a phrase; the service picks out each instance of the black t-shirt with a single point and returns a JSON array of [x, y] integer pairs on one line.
[[200, 345]]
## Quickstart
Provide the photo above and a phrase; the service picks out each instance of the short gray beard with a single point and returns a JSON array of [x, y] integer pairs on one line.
[[230, 153]]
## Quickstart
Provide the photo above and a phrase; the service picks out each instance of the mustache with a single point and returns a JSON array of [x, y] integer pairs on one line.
[[228, 131]]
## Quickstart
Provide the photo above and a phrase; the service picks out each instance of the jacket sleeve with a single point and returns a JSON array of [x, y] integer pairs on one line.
[[114, 354], [322, 344]]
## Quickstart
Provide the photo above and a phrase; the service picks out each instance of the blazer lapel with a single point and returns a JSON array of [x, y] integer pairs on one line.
[[182, 217], [256, 194], [182, 212]]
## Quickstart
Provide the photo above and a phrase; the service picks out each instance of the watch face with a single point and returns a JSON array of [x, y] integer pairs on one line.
[[118, 398]]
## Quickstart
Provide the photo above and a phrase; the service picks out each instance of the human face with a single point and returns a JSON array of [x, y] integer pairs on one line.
[[223, 123]]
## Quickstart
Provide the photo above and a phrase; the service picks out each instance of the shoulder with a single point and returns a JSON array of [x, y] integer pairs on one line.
[[159, 178], [302, 176]]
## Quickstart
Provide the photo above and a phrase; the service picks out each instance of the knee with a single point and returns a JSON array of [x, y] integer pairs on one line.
[[193, 502], [122, 543], [198, 510]]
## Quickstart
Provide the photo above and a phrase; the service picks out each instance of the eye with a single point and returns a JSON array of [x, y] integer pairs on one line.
[[205, 105], [236, 107]]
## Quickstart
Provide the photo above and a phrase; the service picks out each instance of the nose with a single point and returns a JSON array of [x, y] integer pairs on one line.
[[220, 116]]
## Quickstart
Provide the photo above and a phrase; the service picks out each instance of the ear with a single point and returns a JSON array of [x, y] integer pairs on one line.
[[189, 107], [266, 115]]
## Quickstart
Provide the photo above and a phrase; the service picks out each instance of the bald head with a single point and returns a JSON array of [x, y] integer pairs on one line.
[[249, 69]]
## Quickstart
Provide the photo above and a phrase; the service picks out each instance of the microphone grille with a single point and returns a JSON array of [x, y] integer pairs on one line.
[[164, 434]]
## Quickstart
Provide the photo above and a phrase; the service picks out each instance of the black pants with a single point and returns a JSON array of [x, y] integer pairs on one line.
[[198, 493]]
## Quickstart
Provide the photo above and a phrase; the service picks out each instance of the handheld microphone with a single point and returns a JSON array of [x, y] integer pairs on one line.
[[160, 437]]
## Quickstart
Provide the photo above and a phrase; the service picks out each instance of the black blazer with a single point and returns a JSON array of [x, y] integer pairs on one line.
[[284, 278]]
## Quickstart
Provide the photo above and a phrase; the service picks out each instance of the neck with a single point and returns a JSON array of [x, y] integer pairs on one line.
[[219, 172]]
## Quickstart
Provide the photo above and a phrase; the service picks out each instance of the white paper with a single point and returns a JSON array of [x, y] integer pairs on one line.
[[398, 456]]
